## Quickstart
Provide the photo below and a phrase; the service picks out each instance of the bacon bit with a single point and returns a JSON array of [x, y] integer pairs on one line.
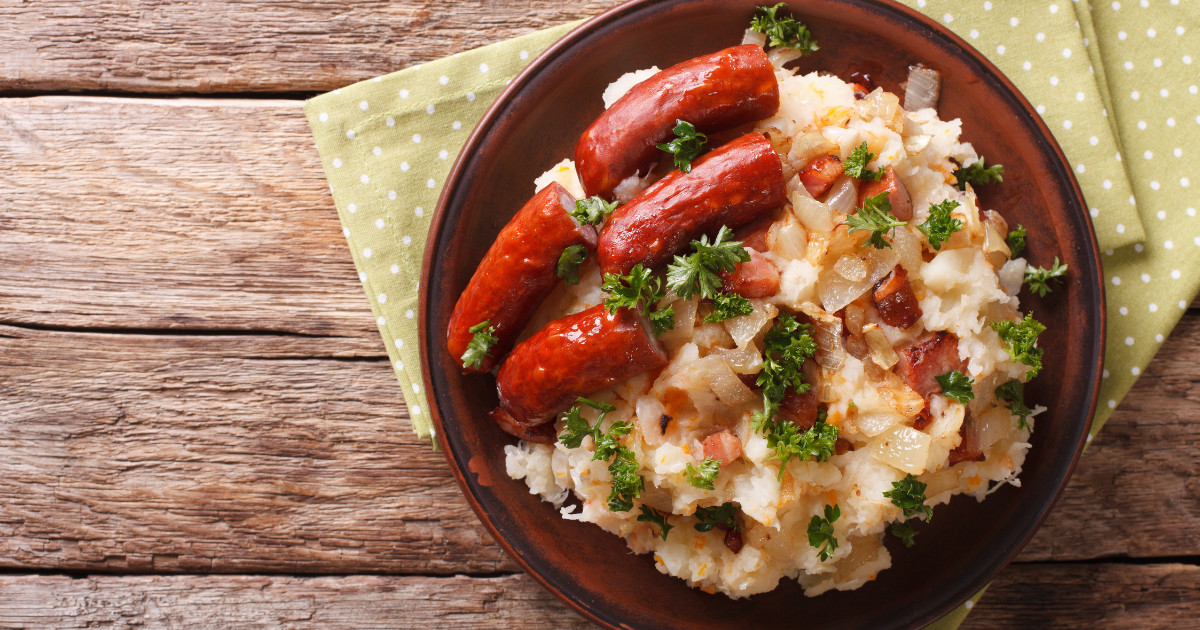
[[756, 278], [842, 446], [722, 446], [663, 422], [754, 233], [733, 539], [820, 174], [922, 362], [894, 299], [803, 407], [897, 193]]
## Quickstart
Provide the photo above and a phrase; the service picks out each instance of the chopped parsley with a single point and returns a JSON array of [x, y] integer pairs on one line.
[[480, 345], [1021, 336], [638, 290], [856, 164], [568, 263], [874, 216], [940, 225], [1016, 240], [704, 476], [908, 494], [977, 174], [782, 31], [687, 145], [627, 484], [651, 515], [727, 306], [699, 272], [818, 442], [820, 532], [956, 386], [904, 531], [591, 211], [1013, 392], [717, 516], [1038, 278]]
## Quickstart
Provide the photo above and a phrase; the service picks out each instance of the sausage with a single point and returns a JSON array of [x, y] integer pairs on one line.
[[753, 235], [722, 446], [922, 362], [732, 185], [574, 356], [895, 301], [756, 278], [713, 92], [897, 193], [820, 174], [517, 273]]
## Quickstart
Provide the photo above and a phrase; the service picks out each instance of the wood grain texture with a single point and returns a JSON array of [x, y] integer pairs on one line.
[[185, 214], [166, 46], [175, 453], [1025, 596]]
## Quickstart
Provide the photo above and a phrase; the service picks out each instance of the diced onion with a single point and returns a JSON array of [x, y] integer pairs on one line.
[[788, 238], [882, 352], [744, 329], [991, 427], [782, 55], [883, 105], [901, 447], [746, 360], [827, 333], [851, 268], [715, 374], [815, 216], [752, 36], [908, 249], [809, 147], [685, 321], [843, 197], [874, 423], [836, 292], [924, 87]]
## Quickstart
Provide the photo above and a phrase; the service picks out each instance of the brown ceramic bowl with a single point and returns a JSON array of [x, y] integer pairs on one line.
[[536, 122]]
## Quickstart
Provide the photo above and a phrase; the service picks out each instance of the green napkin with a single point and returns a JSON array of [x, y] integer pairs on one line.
[[1114, 82]]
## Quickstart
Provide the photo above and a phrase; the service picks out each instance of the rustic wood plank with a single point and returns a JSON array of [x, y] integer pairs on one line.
[[1024, 596], [258, 46], [161, 453], [173, 453], [186, 213]]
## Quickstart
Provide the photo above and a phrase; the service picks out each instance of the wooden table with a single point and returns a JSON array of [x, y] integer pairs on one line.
[[198, 424]]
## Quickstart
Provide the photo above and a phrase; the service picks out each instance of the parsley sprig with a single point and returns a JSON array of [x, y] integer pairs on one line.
[[789, 441], [568, 263], [956, 386], [651, 515], [908, 494], [639, 290], [782, 31], [687, 145], [1021, 336], [1013, 392], [627, 483], [703, 476], [940, 225], [699, 272], [480, 345], [727, 306], [904, 531], [1038, 278], [1016, 240], [856, 164], [875, 216], [820, 532], [977, 174], [717, 516], [591, 211]]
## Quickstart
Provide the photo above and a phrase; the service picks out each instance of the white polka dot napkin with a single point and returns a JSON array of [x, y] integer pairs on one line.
[[1114, 81]]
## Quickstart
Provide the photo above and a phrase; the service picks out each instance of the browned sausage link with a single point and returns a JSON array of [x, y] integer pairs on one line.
[[517, 273], [921, 363], [895, 300], [756, 278], [575, 356], [541, 433], [820, 174], [732, 185], [897, 193], [713, 92]]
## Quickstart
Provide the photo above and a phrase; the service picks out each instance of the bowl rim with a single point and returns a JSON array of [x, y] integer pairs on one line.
[[546, 58]]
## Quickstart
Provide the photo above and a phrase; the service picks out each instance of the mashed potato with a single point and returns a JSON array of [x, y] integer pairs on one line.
[[967, 284]]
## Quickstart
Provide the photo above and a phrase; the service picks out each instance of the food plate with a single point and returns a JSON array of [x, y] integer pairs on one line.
[[536, 122]]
